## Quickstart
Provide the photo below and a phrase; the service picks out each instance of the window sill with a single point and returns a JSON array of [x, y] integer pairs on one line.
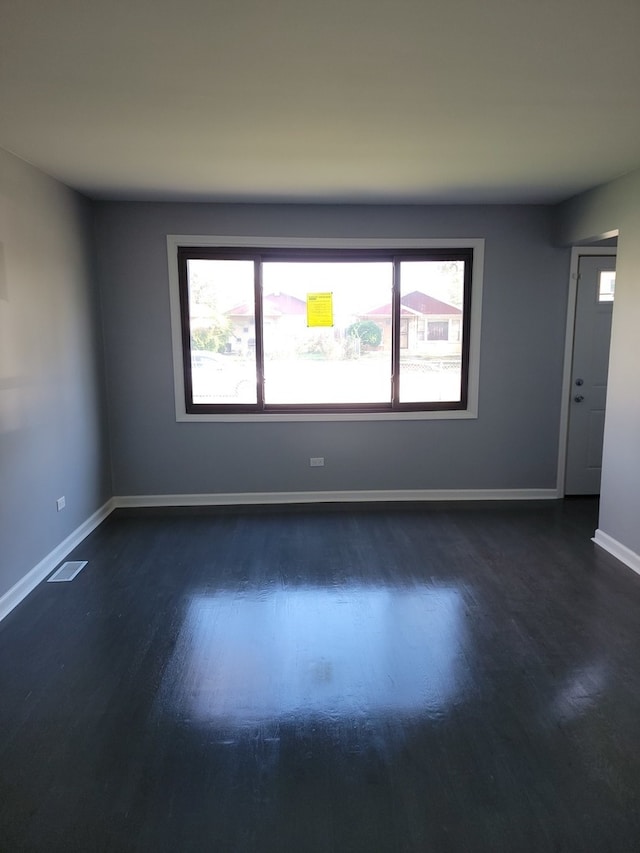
[[318, 417]]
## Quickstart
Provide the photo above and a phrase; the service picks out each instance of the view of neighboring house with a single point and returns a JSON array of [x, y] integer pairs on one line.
[[428, 326], [284, 316]]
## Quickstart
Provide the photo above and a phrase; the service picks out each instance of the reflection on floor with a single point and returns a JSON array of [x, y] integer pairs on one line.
[[278, 654], [421, 679]]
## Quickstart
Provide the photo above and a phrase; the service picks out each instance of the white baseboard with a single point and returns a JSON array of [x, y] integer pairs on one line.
[[38, 573], [252, 498], [618, 550]]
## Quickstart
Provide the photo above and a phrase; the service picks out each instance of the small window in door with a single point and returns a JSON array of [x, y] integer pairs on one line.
[[606, 286]]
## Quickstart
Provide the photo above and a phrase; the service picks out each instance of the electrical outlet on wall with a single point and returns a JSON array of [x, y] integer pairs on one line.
[[61, 503], [316, 461]]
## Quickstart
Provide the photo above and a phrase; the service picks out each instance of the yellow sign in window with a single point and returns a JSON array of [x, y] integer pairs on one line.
[[319, 309]]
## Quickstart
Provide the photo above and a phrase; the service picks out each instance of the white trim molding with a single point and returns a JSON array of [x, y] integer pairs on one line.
[[174, 241], [38, 573], [364, 496], [617, 550]]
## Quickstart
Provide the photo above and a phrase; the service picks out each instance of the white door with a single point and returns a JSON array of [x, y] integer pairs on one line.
[[590, 365]]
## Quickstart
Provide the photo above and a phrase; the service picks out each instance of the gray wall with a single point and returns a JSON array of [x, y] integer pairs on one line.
[[52, 419], [513, 444], [616, 206]]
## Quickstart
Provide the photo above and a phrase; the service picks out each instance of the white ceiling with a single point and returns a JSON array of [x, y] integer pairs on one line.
[[333, 100]]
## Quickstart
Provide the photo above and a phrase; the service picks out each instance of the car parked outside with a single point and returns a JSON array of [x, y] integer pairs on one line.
[[216, 375]]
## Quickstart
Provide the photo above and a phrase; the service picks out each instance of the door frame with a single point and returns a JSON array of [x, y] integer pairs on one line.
[[576, 253]]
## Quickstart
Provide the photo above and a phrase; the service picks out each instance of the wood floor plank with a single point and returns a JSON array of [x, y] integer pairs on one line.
[[443, 677]]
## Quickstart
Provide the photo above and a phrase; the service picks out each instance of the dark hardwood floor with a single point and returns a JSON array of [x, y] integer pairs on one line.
[[459, 677]]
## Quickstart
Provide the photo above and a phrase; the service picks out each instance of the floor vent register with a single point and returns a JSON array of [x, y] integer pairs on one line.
[[67, 571]]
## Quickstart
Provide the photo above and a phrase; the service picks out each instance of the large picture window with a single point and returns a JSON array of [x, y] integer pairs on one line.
[[318, 330]]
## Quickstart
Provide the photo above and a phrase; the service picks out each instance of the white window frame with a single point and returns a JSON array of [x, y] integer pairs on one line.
[[176, 240]]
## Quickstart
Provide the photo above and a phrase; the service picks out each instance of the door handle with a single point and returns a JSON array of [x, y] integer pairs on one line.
[[578, 398]]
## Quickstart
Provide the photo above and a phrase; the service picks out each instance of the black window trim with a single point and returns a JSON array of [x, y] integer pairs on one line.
[[257, 254]]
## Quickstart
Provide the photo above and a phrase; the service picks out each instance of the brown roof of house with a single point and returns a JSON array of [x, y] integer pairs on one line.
[[385, 311], [274, 305], [417, 303], [428, 304]]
